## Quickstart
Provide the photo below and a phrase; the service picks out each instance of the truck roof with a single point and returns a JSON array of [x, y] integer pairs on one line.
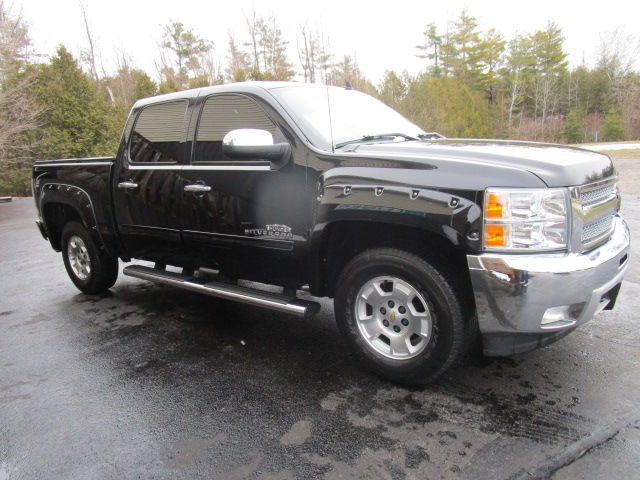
[[239, 87]]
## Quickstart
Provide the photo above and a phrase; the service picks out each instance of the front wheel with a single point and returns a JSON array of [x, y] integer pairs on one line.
[[90, 269], [401, 315]]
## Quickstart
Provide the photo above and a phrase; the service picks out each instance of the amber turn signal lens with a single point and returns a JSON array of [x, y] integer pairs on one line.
[[494, 235], [494, 206]]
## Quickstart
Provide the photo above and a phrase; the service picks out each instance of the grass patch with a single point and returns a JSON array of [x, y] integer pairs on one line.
[[632, 153], [603, 143]]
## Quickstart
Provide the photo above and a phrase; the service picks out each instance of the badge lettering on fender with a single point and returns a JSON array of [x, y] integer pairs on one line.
[[273, 231]]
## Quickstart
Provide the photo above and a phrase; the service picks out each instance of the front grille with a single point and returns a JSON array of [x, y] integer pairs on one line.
[[598, 195], [593, 230], [595, 206]]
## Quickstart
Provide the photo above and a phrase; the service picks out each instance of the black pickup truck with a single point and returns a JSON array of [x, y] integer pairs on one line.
[[426, 244]]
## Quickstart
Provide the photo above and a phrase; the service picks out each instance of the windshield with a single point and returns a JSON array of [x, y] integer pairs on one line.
[[354, 116]]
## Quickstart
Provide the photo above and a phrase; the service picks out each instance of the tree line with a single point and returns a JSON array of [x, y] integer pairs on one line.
[[475, 83]]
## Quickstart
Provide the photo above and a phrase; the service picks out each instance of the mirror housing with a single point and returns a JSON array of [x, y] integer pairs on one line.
[[255, 144]]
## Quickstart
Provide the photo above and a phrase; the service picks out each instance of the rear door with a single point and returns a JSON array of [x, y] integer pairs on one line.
[[148, 186], [253, 220]]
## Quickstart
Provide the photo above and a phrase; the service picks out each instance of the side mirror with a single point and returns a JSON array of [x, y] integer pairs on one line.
[[254, 144]]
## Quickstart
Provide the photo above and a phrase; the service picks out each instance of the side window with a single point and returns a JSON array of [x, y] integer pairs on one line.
[[220, 115], [159, 133]]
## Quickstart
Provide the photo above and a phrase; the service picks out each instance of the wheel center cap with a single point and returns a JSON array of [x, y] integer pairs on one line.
[[393, 316]]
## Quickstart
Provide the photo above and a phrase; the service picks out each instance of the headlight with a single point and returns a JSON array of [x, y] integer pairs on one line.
[[525, 219]]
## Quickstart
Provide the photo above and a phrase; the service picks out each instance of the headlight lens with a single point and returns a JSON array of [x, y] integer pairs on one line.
[[518, 219]]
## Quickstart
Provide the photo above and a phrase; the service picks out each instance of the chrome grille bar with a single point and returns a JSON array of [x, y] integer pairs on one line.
[[597, 229], [598, 194], [594, 206]]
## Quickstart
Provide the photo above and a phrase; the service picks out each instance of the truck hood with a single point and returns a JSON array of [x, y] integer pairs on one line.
[[555, 165]]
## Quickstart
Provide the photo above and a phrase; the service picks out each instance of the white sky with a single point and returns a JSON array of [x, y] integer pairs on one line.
[[381, 35]]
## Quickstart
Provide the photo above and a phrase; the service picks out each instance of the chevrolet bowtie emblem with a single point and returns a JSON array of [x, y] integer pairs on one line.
[[393, 316]]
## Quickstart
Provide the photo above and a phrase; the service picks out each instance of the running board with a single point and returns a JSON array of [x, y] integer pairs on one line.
[[260, 298]]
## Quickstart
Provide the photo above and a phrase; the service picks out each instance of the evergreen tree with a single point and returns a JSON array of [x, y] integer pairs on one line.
[[591, 90], [143, 86], [547, 46], [393, 89], [182, 60], [573, 132], [517, 74], [460, 49], [466, 53], [489, 57], [446, 105], [612, 129], [431, 48], [76, 120]]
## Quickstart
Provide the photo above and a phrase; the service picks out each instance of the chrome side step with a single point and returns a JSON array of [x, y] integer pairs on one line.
[[273, 301]]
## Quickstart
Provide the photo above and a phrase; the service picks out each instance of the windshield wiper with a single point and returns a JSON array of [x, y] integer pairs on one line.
[[369, 138]]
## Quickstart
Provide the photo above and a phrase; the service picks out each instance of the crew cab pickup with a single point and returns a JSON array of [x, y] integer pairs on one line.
[[426, 244]]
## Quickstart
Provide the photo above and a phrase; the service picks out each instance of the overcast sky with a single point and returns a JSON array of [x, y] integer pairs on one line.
[[381, 35]]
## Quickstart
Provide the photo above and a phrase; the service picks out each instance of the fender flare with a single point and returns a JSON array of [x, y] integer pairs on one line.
[[449, 215], [74, 197]]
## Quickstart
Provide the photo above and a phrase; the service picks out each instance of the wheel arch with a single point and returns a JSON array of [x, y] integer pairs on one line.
[[337, 242], [60, 204]]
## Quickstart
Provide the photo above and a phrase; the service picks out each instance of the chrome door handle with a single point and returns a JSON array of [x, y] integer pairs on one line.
[[127, 185], [197, 188]]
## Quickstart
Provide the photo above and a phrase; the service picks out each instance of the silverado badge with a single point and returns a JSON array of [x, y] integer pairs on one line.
[[274, 231]]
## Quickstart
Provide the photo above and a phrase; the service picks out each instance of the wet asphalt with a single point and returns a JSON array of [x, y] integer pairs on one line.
[[151, 382]]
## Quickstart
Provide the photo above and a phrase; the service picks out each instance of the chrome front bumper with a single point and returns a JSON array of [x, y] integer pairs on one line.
[[524, 301]]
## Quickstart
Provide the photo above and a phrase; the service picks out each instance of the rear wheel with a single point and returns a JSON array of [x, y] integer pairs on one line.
[[401, 315], [90, 269]]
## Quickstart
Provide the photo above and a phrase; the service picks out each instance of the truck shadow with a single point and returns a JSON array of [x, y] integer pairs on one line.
[[176, 335]]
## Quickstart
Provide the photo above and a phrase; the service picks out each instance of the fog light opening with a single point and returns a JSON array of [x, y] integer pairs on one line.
[[561, 316]]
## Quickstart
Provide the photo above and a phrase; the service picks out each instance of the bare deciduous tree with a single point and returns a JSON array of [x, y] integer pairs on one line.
[[238, 62], [268, 49], [209, 69], [618, 53], [344, 72], [313, 56], [15, 44], [128, 84], [19, 113], [254, 26], [88, 56], [617, 58]]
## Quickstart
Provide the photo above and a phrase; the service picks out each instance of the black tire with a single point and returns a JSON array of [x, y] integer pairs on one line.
[[103, 267], [446, 345]]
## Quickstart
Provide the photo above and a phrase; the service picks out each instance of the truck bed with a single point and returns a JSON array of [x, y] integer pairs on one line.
[[63, 162], [81, 184]]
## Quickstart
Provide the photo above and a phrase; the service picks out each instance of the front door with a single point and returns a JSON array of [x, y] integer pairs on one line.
[[149, 186], [247, 218]]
